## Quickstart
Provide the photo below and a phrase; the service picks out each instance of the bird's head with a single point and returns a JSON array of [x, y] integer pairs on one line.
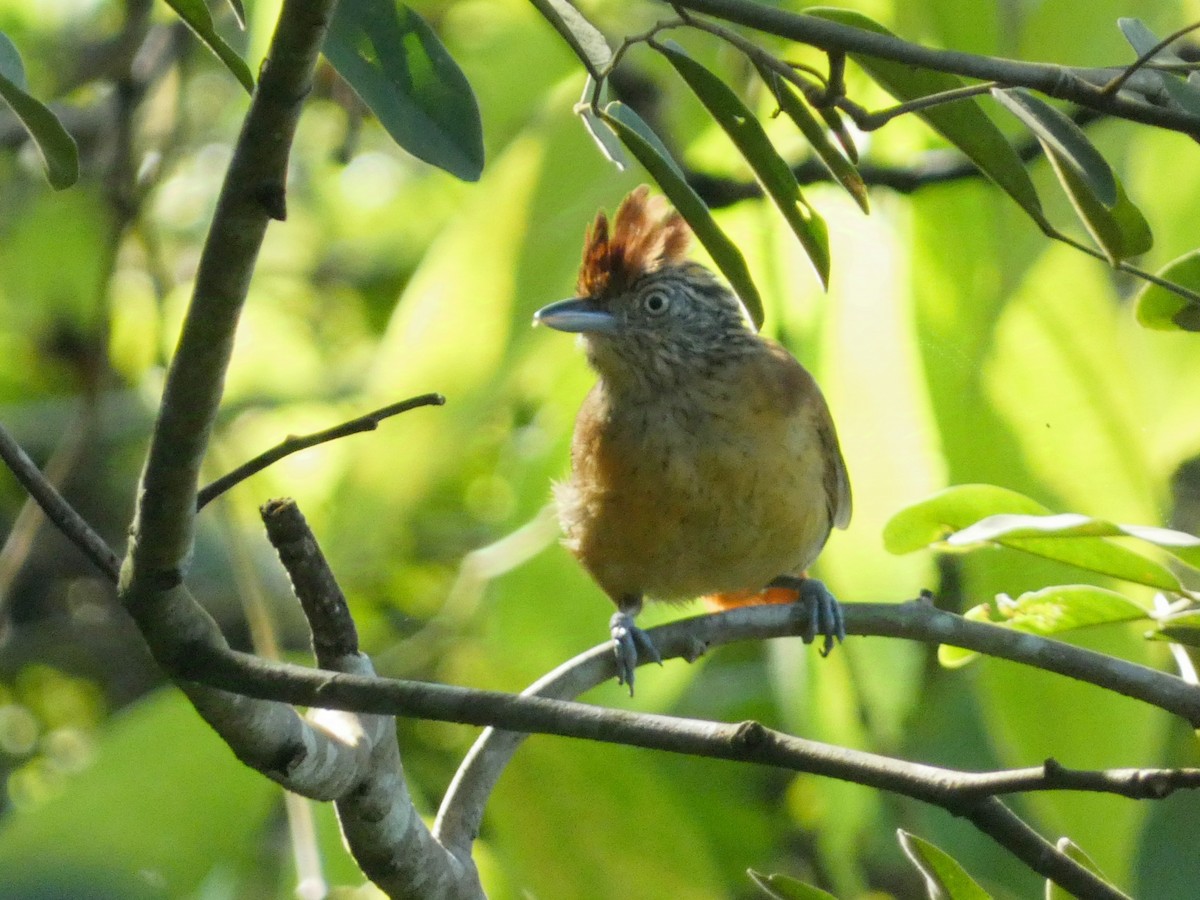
[[648, 315]]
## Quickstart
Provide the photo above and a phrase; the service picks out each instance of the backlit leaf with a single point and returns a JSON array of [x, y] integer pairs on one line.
[[646, 147], [60, 156], [963, 123], [784, 887], [1165, 310], [584, 38], [401, 70], [196, 16], [1049, 611], [771, 170], [945, 878]]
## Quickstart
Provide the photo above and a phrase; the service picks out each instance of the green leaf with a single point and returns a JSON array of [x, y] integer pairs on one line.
[[196, 16], [784, 887], [814, 132], [945, 878], [401, 70], [1076, 853], [942, 516], [963, 123], [1182, 628], [1143, 40], [1051, 610], [1120, 231], [1063, 139], [1004, 527], [1117, 226], [60, 156], [937, 517], [584, 38], [601, 134], [646, 147], [1164, 310], [771, 170]]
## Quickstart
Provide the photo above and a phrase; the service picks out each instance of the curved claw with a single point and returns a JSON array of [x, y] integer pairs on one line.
[[823, 613], [628, 640]]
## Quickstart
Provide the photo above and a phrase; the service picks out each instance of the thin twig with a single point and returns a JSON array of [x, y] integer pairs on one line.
[[1081, 86], [1117, 83], [57, 509], [294, 444]]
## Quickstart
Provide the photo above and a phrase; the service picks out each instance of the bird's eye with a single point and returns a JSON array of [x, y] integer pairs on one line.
[[656, 303]]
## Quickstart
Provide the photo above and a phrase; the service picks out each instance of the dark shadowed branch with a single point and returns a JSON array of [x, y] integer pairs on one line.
[[294, 444]]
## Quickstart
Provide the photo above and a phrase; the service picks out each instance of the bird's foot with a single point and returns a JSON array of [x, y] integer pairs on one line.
[[628, 642], [823, 615]]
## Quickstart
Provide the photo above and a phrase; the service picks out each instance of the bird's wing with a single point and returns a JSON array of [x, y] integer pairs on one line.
[[797, 385]]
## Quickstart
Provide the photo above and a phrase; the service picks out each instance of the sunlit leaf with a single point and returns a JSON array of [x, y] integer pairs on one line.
[[963, 123], [646, 147], [771, 170], [399, 67], [1165, 310], [1143, 40], [583, 37], [1076, 853], [1004, 527], [60, 156], [949, 512], [603, 136], [937, 517], [1059, 135], [945, 878], [239, 12], [784, 887], [196, 16], [1049, 611], [814, 132]]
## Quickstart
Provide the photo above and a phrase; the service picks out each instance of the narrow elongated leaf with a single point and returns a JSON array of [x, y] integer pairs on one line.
[[401, 70], [1049, 611], [771, 170], [196, 16], [600, 133], [1182, 628], [945, 878], [1165, 310], [1143, 40], [60, 156], [784, 887], [646, 147], [583, 37], [1121, 231], [963, 123], [945, 514], [797, 110], [1075, 852], [1062, 138], [1004, 527]]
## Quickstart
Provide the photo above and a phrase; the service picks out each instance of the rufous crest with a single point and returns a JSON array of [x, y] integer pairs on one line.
[[646, 236]]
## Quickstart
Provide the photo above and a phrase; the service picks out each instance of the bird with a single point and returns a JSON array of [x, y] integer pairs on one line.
[[704, 461]]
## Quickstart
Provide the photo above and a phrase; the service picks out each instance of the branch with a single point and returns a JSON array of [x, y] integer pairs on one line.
[[57, 509], [294, 444], [253, 193], [382, 827], [1082, 86]]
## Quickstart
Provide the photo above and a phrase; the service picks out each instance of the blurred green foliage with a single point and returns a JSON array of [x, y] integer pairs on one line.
[[955, 345]]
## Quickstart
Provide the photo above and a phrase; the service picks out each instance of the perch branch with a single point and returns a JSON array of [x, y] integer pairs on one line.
[[293, 444]]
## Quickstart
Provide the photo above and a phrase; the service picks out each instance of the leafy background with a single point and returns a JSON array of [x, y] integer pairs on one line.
[[955, 346]]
